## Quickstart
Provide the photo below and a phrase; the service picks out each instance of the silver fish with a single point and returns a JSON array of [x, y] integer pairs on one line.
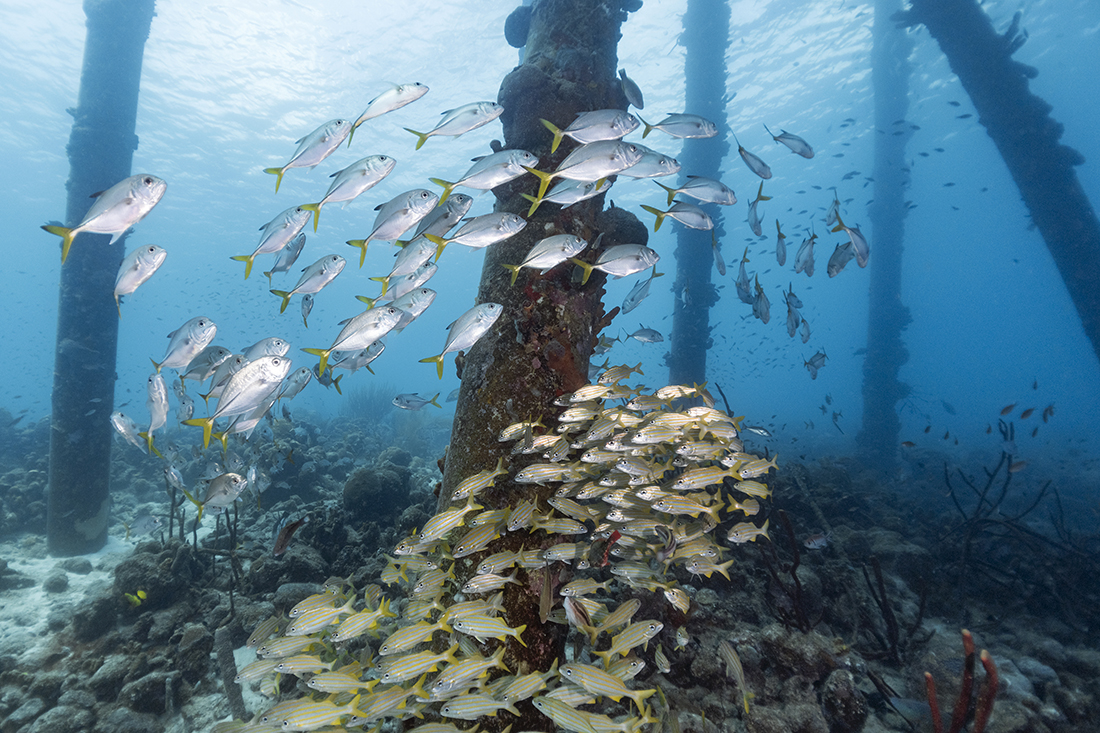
[[287, 256], [687, 214], [186, 342], [460, 120], [115, 210], [754, 163], [639, 292], [357, 178], [761, 307], [652, 165], [295, 383], [360, 332], [127, 428], [414, 401], [550, 252], [780, 245], [307, 306], [467, 330], [396, 97], [593, 126], [136, 268], [270, 346], [805, 330], [719, 263], [482, 231], [157, 404], [754, 217], [411, 305], [681, 125], [246, 390], [314, 278], [742, 283], [410, 258], [490, 171], [620, 261], [276, 234], [356, 360], [397, 216], [804, 260], [646, 335], [591, 162], [794, 142], [313, 148], [631, 90], [445, 215], [842, 255], [860, 249], [703, 189]]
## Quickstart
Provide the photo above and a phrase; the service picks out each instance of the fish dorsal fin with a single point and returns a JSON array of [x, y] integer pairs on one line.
[[97, 194], [299, 141]]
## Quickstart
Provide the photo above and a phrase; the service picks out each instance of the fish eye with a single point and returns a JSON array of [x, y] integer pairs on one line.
[[148, 180]]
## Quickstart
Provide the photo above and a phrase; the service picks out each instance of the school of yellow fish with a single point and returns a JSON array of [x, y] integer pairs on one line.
[[641, 487]]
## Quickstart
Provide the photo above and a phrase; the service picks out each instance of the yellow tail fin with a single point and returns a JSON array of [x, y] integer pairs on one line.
[[206, 423], [660, 216], [316, 209], [285, 295], [278, 172], [324, 354], [423, 137], [362, 245], [557, 134], [66, 235], [247, 260], [447, 188], [584, 266], [438, 363], [544, 180]]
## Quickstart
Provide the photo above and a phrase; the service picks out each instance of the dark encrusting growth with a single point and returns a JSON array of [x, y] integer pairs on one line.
[[541, 348], [886, 353], [100, 150], [1027, 138], [705, 39]]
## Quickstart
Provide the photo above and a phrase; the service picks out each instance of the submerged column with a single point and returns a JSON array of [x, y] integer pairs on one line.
[[540, 347], [705, 39], [1026, 137], [886, 353], [100, 150]]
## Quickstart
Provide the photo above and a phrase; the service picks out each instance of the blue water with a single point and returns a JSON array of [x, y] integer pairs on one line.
[[226, 91]]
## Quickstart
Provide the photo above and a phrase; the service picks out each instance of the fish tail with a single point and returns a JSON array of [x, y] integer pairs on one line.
[[671, 192], [839, 223], [771, 133], [658, 213], [557, 134], [155, 364], [316, 209], [286, 298], [324, 354], [534, 203], [584, 266], [352, 133], [544, 180], [385, 286], [66, 235], [448, 186], [223, 436], [362, 245], [369, 301], [438, 363], [278, 173], [247, 260], [206, 423], [434, 401], [648, 127], [205, 399], [422, 137], [118, 305], [336, 383], [520, 629], [148, 436], [514, 269], [439, 243]]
